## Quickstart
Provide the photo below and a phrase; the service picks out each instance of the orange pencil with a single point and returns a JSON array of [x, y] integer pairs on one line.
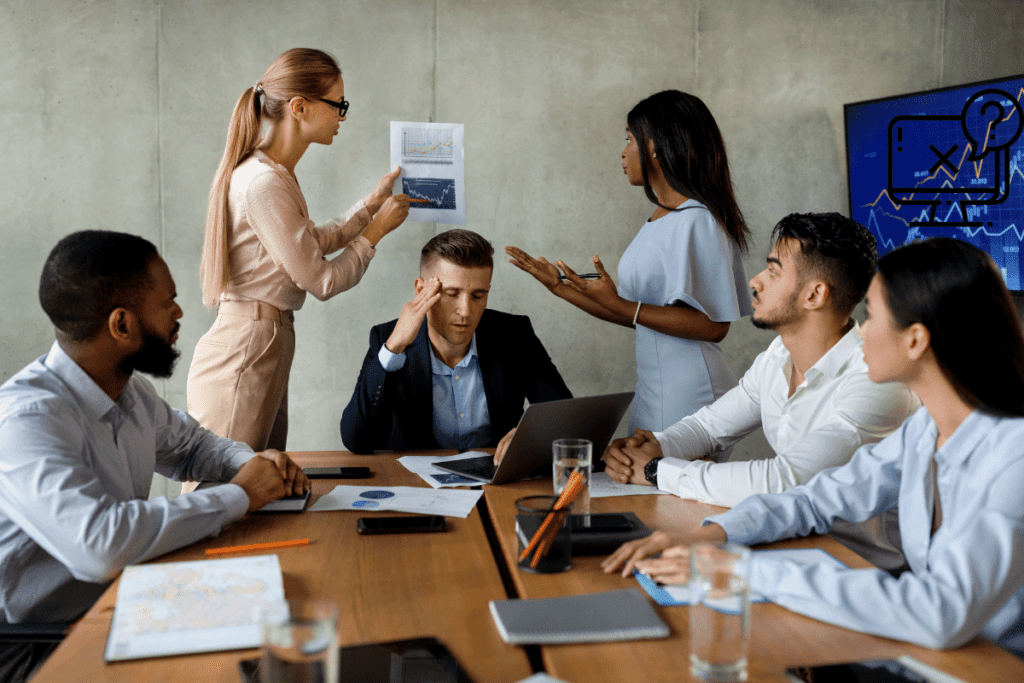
[[573, 487], [420, 201], [257, 546]]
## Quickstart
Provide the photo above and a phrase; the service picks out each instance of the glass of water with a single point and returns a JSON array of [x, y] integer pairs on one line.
[[719, 611], [300, 641], [568, 456]]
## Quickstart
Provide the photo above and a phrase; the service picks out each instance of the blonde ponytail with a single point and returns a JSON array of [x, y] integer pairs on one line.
[[299, 72], [243, 136]]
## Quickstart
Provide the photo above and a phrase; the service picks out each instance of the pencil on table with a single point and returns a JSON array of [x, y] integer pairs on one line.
[[276, 545]]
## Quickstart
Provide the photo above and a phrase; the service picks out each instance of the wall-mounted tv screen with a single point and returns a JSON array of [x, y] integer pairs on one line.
[[942, 162]]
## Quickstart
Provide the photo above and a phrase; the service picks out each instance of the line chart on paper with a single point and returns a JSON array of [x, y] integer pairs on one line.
[[439, 192], [427, 146]]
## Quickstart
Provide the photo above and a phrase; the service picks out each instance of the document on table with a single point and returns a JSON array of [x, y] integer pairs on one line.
[[433, 169], [603, 486], [185, 607], [400, 499], [680, 595], [423, 465]]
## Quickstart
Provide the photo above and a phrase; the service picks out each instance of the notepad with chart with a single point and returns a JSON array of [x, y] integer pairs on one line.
[[596, 617]]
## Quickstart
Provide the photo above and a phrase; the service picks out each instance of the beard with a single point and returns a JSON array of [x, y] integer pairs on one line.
[[785, 316], [156, 357]]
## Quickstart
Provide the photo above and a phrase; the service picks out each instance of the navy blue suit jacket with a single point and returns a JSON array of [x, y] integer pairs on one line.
[[395, 410]]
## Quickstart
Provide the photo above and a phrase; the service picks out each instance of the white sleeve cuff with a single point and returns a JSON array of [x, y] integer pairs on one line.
[[390, 361]]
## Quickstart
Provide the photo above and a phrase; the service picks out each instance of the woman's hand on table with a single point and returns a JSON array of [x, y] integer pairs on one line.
[[631, 552], [672, 568]]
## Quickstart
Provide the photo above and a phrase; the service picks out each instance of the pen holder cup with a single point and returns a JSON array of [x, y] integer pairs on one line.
[[549, 550]]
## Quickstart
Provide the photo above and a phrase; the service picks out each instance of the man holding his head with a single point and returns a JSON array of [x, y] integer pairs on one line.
[[82, 434], [809, 390], [449, 373]]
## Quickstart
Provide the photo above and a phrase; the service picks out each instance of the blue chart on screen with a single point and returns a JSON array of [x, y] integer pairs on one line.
[[945, 162], [440, 192], [376, 495]]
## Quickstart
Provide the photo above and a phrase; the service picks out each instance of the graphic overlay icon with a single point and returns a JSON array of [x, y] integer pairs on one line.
[[937, 159]]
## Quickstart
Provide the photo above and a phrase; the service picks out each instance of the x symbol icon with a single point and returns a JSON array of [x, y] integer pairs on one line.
[[943, 158]]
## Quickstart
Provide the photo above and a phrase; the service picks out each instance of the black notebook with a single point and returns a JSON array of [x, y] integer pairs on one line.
[[602, 537]]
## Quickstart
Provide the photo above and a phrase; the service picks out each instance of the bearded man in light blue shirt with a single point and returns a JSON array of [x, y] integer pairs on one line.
[[82, 434]]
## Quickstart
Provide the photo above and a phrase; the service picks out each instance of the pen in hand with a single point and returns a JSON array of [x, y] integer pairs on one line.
[[584, 276]]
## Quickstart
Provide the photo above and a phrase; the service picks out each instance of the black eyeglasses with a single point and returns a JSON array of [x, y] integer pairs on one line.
[[342, 106]]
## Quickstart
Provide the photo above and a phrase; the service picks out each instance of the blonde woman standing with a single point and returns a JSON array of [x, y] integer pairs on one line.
[[262, 253]]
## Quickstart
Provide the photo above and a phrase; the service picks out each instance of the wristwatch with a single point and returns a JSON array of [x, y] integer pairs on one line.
[[651, 471]]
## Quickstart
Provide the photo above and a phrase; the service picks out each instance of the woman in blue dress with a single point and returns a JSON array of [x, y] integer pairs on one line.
[[681, 280]]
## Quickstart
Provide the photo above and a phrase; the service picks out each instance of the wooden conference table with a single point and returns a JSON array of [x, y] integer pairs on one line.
[[397, 587]]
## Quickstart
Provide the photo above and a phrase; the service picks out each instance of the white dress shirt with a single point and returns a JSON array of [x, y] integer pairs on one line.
[[966, 579], [836, 409], [75, 473]]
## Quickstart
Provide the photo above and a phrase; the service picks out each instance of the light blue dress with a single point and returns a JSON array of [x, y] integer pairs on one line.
[[682, 257]]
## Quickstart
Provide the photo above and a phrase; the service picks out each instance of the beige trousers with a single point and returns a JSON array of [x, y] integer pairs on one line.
[[238, 381]]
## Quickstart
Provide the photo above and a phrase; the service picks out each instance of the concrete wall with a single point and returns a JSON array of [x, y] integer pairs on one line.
[[114, 116]]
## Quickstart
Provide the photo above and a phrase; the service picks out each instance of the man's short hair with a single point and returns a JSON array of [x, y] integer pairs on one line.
[[464, 248], [91, 273], [837, 249]]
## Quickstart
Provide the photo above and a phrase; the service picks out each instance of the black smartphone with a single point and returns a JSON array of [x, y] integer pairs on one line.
[[870, 671], [337, 472], [401, 525], [600, 522]]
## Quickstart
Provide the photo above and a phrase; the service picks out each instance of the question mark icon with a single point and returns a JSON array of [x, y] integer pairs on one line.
[[987, 125]]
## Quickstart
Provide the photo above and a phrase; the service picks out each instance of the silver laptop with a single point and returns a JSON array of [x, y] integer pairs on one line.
[[588, 417]]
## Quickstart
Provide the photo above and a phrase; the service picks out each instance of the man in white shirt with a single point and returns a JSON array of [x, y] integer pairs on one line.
[[82, 434], [809, 390]]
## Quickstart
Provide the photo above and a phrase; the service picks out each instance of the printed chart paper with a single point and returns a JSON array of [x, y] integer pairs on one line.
[[445, 502], [185, 607], [433, 168]]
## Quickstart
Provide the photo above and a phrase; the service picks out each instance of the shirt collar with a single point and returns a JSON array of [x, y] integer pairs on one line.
[[965, 440], [835, 359], [439, 368], [93, 399]]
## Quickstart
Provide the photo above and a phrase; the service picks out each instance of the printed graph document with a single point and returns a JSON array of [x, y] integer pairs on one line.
[[603, 486], [445, 502], [433, 168], [185, 607], [668, 596]]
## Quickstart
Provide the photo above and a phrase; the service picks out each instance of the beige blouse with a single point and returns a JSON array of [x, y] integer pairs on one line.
[[275, 252]]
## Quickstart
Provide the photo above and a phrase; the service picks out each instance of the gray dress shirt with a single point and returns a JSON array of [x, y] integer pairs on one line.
[[75, 473]]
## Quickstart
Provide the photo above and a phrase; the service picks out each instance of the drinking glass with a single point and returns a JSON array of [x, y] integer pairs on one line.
[[300, 641], [719, 611], [568, 456], [531, 513]]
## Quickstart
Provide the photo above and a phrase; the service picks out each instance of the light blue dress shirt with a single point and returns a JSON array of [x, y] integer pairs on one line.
[[461, 419], [683, 257], [75, 474], [966, 579]]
